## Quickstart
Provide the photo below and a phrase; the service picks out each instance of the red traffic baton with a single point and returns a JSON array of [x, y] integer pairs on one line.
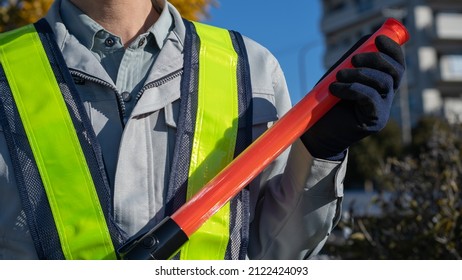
[[166, 238]]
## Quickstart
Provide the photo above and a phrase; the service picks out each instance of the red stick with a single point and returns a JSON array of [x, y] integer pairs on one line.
[[273, 142], [168, 236]]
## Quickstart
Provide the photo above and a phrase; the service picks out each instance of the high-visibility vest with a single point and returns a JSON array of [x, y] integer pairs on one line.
[[58, 162]]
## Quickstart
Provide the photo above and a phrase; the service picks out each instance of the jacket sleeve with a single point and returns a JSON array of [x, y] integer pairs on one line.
[[299, 197]]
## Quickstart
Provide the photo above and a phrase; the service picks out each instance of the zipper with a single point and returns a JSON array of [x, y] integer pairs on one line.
[[120, 102], [159, 82]]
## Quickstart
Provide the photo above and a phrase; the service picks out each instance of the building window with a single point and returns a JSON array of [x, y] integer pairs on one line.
[[451, 67], [448, 25], [456, 66]]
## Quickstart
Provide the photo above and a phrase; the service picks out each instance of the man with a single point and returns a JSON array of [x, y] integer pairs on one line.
[[136, 100]]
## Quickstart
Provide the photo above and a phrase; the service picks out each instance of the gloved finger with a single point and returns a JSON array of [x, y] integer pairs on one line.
[[365, 97], [360, 93], [345, 55], [370, 108], [389, 47], [380, 81], [382, 62]]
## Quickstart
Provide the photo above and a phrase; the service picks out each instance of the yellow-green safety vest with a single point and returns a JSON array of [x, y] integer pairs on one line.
[[56, 155]]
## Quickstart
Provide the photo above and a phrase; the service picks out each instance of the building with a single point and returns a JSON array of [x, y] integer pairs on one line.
[[433, 82]]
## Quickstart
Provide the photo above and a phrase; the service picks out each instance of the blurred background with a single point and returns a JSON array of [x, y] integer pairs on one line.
[[402, 192]]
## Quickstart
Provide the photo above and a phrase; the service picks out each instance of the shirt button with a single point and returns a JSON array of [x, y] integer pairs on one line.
[[141, 42], [109, 42], [126, 96]]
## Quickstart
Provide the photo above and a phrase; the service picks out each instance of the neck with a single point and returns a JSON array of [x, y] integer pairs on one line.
[[124, 18]]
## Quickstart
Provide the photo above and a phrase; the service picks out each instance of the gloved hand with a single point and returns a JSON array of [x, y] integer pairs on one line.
[[366, 92]]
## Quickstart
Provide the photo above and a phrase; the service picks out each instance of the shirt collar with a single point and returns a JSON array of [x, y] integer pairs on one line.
[[162, 27], [88, 31]]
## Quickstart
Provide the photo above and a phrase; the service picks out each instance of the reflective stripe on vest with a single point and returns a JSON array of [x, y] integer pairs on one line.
[[214, 125], [214, 135], [69, 187]]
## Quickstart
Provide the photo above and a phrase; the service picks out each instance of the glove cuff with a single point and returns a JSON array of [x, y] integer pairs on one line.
[[319, 150]]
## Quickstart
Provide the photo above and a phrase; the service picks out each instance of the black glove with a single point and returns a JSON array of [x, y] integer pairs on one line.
[[366, 92]]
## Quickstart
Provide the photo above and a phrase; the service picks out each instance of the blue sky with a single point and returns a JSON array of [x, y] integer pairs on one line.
[[290, 29]]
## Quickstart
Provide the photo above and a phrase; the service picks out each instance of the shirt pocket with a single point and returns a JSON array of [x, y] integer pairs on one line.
[[264, 114]]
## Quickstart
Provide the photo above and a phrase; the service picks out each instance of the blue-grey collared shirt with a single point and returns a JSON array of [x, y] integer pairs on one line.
[[128, 67]]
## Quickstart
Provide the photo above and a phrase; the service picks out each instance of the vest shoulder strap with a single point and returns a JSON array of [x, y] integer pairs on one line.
[[41, 103], [215, 102]]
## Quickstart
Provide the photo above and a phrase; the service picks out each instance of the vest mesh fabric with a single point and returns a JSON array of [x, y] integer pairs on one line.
[[240, 217], [176, 194], [33, 197], [178, 183]]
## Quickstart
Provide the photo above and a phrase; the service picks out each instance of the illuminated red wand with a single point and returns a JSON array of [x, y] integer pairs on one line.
[[168, 236]]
